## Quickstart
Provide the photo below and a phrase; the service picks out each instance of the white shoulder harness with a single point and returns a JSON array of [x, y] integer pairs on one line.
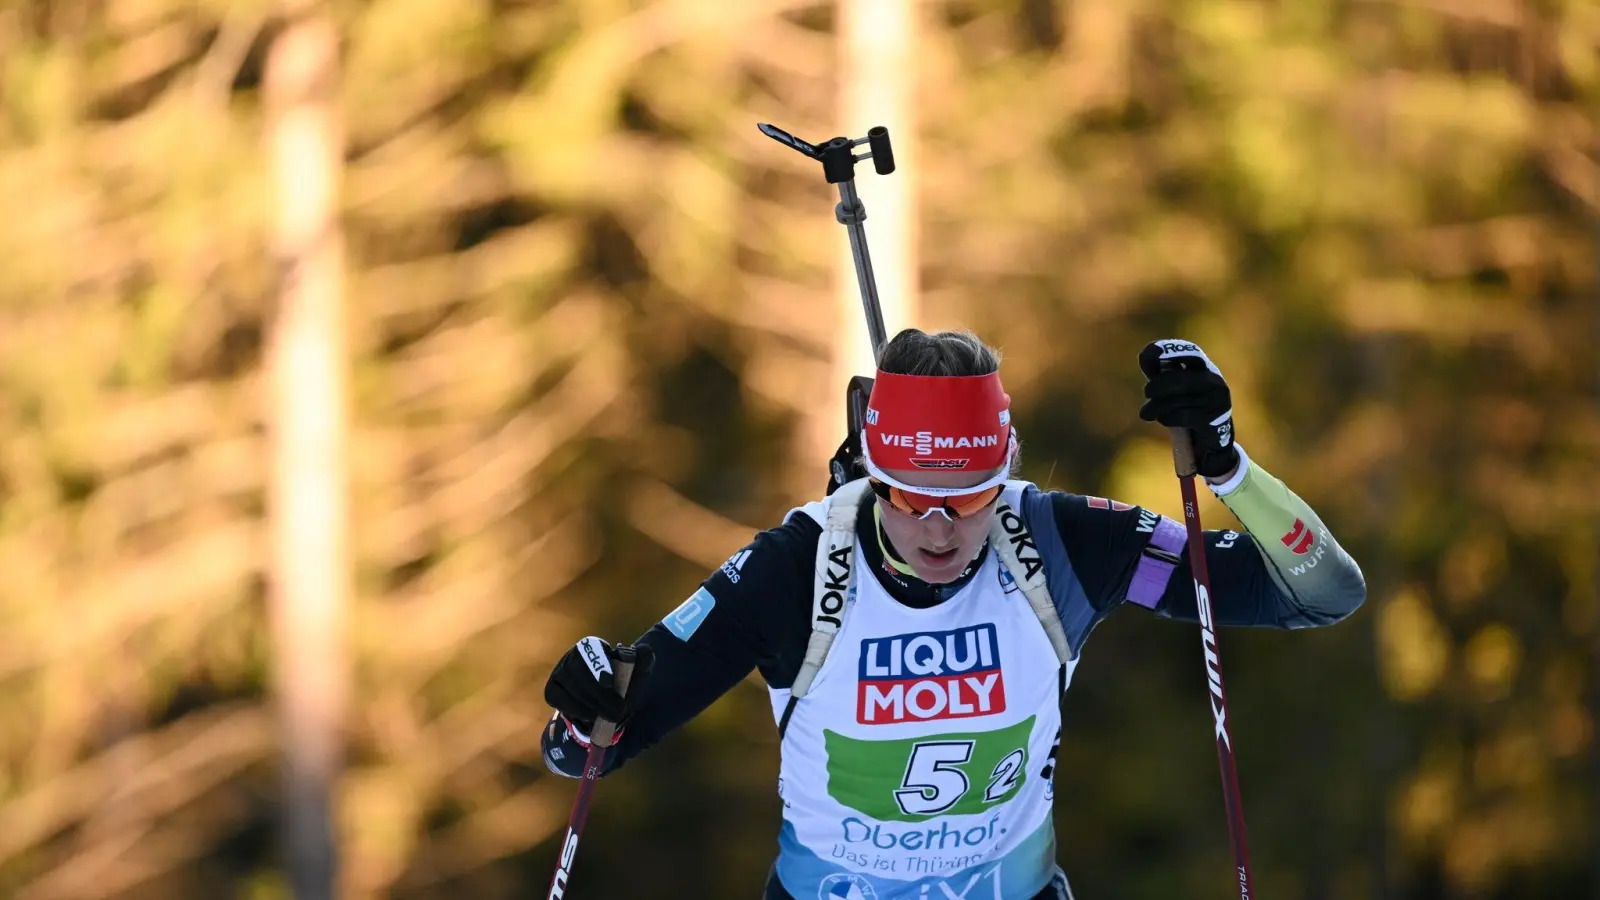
[[834, 572]]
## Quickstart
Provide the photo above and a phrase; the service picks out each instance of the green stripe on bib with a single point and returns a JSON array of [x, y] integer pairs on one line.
[[916, 779]]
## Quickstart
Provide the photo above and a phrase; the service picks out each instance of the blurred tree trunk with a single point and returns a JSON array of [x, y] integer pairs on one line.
[[877, 87], [1594, 658], [307, 418]]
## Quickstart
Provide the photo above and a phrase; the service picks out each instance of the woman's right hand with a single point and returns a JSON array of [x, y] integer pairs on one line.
[[583, 687]]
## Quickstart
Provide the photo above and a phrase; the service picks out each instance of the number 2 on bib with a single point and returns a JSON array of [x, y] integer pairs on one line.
[[1005, 775]]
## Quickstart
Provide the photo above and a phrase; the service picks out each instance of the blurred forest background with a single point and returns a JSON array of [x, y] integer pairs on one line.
[[590, 339]]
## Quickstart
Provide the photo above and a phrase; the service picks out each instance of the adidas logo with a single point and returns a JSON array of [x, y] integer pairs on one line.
[[734, 564]]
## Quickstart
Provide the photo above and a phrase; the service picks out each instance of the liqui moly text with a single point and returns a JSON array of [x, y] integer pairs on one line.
[[930, 675]]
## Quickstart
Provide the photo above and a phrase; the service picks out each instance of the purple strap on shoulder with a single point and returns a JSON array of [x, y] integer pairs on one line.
[[1156, 564]]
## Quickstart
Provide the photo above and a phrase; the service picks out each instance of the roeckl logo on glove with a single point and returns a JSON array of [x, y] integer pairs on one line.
[[1176, 349], [594, 653]]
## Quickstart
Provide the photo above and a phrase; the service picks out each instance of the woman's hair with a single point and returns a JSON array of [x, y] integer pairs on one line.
[[914, 352], [954, 353]]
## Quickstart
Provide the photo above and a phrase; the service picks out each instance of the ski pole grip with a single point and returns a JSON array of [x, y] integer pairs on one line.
[[605, 732], [1182, 452], [882, 153]]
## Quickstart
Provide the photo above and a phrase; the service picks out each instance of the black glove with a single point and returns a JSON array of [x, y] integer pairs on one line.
[[1184, 389], [582, 686]]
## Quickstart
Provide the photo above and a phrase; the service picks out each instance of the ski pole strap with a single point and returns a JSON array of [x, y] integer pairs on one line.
[[1156, 565]]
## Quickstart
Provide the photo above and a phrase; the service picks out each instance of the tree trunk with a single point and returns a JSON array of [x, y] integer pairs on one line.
[[1594, 638], [306, 415]]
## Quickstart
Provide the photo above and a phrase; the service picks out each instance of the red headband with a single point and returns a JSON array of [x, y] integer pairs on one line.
[[938, 422]]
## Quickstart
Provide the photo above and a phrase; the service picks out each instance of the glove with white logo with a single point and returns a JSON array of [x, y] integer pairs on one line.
[[1184, 389], [583, 686]]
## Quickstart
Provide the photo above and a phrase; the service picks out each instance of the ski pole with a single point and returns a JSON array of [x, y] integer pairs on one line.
[[1183, 461], [600, 737]]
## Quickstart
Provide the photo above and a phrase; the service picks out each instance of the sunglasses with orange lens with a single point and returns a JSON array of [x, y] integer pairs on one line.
[[957, 506]]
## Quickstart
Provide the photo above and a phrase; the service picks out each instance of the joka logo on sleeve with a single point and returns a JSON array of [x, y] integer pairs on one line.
[[930, 675]]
